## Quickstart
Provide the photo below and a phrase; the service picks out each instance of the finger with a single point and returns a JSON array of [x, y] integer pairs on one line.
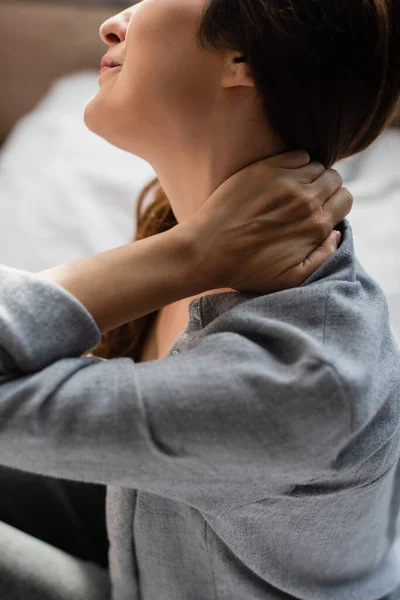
[[295, 159], [310, 172], [319, 255], [338, 206], [326, 185]]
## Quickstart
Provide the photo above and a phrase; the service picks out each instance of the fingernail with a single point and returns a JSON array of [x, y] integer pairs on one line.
[[338, 237]]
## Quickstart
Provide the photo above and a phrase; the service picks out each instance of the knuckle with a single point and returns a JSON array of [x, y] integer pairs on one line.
[[322, 225], [311, 208], [312, 197], [288, 186]]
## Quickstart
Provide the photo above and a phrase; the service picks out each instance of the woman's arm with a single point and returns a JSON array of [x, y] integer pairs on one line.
[[256, 401], [262, 224], [125, 283]]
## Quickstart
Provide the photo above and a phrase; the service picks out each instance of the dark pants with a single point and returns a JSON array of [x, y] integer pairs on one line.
[[67, 514]]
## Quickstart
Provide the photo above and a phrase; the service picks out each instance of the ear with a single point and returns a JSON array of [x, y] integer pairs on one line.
[[236, 71]]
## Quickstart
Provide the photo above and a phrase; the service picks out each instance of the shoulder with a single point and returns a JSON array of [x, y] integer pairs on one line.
[[340, 316]]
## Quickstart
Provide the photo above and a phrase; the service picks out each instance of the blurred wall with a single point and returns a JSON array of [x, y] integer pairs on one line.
[[40, 41]]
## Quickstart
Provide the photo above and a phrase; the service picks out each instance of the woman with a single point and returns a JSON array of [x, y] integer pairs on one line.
[[259, 458]]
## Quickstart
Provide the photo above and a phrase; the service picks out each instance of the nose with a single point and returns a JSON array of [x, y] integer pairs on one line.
[[113, 31]]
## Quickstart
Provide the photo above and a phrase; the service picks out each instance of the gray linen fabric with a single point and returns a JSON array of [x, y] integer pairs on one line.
[[258, 461]]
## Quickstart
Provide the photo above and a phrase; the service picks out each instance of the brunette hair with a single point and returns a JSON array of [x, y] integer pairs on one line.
[[328, 74]]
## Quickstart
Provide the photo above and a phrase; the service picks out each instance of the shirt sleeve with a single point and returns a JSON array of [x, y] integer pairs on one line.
[[226, 410]]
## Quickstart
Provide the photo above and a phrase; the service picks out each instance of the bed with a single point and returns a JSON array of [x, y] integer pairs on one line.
[[66, 193]]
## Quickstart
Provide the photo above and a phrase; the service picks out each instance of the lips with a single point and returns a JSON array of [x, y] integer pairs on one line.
[[104, 69], [108, 63]]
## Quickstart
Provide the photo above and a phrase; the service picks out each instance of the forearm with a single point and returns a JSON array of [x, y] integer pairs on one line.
[[125, 283]]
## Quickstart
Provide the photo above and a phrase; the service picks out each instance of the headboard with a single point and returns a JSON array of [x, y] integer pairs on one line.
[[41, 41]]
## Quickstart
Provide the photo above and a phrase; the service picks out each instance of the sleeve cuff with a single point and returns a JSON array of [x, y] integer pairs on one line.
[[40, 322]]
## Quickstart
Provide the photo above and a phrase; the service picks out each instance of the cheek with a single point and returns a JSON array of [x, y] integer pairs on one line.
[[164, 86], [164, 67]]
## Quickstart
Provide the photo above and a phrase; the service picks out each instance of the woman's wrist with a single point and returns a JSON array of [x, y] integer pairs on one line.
[[125, 283]]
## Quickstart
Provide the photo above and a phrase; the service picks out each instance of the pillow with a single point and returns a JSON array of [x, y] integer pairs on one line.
[[65, 193]]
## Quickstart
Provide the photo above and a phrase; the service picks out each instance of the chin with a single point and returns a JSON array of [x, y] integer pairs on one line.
[[106, 119], [90, 115], [97, 120]]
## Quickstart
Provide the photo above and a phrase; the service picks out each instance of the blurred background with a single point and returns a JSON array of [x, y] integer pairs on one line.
[[66, 193]]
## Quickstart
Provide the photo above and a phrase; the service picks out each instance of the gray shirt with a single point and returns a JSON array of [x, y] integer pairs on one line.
[[258, 461]]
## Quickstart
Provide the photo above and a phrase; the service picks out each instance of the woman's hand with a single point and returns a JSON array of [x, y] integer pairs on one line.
[[269, 226], [260, 231]]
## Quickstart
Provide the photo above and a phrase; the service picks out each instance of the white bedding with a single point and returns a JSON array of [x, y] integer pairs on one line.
[[66, 193]]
